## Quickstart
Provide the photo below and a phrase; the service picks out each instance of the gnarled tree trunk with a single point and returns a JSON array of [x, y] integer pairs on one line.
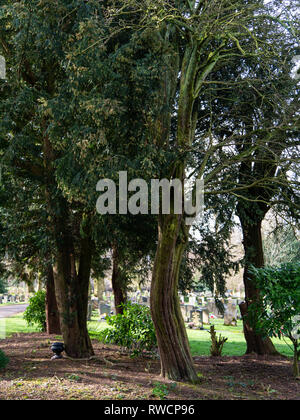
[[175, 355]]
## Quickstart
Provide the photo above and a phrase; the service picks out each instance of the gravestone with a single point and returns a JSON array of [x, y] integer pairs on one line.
[[104, 308], [205, 316], [230, 315], [145, 300], [189, 310], [196, 319], [95, 303], [184, 313], [212, 308], [192, 300]]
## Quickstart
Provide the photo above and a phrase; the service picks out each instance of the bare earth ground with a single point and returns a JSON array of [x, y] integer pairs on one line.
[[112, 375]]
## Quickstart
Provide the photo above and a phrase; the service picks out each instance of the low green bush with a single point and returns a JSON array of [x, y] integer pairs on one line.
[[133, 330], [35, 313], [3, 360], [277, 311]]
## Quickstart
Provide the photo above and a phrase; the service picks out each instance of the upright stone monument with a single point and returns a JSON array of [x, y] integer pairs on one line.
[[230, 315]]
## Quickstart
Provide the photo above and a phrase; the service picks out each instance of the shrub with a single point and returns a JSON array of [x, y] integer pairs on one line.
[[277, 311], [133, 330], [3, 360], [35, 313]]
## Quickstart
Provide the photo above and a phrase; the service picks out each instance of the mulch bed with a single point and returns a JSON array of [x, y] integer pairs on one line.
[[31, 374]]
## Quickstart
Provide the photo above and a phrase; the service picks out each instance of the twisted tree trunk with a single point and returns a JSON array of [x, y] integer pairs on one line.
[[175, 355]]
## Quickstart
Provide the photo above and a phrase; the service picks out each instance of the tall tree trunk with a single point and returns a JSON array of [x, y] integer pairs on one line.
[[253, 246], [71, 288], [118, 286], [72, 295], [52, 314], [175, 355]]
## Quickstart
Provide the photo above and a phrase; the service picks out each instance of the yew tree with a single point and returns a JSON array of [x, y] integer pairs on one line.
[[63, 97], [35, 40], [195, 37], [263, 109]]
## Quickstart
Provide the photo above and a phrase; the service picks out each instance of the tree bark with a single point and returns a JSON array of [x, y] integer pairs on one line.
[[118, 286], [253, 246], [72, 293], [52, 314], [296, 370], [175, 355]]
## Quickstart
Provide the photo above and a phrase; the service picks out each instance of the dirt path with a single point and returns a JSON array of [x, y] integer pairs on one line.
[[31, 374], [11, 310]]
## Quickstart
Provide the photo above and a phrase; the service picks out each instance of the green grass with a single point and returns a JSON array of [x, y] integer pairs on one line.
[[199, 340], [235, 346], [14, 324], [94, 326]]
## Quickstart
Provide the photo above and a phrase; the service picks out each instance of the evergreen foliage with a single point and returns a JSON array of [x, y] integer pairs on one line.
[[35, 313], [133, 330], [277, 312]]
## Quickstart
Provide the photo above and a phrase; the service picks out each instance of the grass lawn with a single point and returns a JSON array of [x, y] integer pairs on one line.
[[235, 346], [199, 340], [14, 324]]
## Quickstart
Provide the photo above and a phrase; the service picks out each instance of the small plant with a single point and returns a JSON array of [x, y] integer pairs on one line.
[[3, 360], [133, 330], [216, 343], [35, 313], [72, 377], [160, 390]]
